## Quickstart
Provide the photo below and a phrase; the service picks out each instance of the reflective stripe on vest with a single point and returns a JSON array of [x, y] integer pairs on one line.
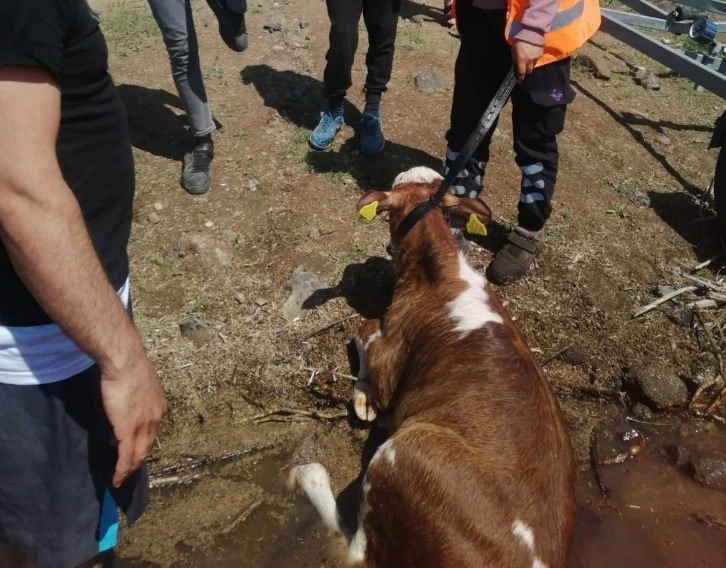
[[561, 19]]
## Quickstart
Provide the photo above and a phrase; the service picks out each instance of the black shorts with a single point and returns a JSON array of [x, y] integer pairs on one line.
[[57, 504]]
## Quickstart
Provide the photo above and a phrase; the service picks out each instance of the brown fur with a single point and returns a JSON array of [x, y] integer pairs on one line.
[[478, 435]]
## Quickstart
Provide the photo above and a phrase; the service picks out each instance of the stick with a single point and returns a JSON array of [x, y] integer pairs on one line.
[[242, 517], [595, 465], [706, 304], [334, 373], [172, 480], [327, 326], [717, 402], [710, 521], [702, 282], [662, 300], [717, 352], [706, 263], [557, 354], [589, 391], [169, 469], [294, 412], [702, 388], [632, 451]]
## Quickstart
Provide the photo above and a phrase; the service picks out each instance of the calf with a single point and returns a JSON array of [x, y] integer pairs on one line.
[[478, 470]]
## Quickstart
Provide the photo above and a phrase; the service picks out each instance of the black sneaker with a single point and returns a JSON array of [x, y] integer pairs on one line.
[[195, 175], [232, 28]]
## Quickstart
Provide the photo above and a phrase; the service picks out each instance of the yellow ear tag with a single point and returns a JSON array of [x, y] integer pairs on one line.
[[475, 227], [369, 212]]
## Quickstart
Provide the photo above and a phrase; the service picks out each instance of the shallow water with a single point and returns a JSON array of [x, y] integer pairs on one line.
[[656, 516]]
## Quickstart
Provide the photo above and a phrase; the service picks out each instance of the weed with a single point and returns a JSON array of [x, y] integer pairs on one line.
[[128, 23], [411, 37]]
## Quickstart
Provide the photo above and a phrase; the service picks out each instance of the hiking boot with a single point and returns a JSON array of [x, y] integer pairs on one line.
[[322, 137], [195, 175], [371, 134], [232, 28], [517, 256]]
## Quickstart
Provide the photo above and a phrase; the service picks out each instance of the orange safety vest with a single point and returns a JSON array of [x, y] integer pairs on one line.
[[575, 22]]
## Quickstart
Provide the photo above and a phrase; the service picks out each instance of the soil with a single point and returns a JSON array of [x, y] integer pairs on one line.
[[630, 207]]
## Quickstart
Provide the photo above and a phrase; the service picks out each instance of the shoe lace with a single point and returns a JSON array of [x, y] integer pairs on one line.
[[201, 159]]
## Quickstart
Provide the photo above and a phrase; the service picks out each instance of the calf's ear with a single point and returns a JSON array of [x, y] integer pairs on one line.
[[374, 202], [474, 212]]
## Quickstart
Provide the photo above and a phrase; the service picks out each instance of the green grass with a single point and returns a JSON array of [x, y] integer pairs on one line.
[[410, 37], [126, 23]]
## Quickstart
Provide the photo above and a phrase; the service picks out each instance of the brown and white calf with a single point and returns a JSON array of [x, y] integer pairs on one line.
[[478, 470]]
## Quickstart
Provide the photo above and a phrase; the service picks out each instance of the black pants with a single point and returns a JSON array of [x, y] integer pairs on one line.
[[381, 20], [538, 112]]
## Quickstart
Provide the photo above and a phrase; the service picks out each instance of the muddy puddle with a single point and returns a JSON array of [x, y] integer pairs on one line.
[[667, 508]]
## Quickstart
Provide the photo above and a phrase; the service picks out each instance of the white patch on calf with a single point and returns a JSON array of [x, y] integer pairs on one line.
[[526, 536], [385, 451], [314, 481], [419, 174], [471, 309]]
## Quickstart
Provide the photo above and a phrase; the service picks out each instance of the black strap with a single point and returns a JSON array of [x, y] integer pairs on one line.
[[485, 123]]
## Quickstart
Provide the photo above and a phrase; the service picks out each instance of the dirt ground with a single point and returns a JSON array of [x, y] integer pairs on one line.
[[628, 210]]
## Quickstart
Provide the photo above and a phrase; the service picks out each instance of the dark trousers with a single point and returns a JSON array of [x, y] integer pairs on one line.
[[539, 106], [381, 20]]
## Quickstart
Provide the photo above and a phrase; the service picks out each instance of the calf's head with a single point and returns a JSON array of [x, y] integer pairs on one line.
[[413, 187]]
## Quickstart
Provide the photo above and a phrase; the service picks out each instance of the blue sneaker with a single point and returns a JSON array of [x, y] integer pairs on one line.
[[322, 137], [371, 134]]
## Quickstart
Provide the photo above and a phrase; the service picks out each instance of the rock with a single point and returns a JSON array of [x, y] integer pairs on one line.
[[313, 233], [660, 388], [666, 41], [273, 27], [213, 255], [597, 63], [418, 19], [648, 80], [252, 184], [704, 368], [662, 290], [642, 412], [685, 318], [701, 453], [302, 285], [158, 206], [198, 332], [430, 81], [575, 355], [240, 297], [154, 218], [662, 139], [278, 48], [209, 224], [302, 24], [260, 302]]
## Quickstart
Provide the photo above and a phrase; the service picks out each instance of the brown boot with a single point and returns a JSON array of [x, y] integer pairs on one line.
[[517, 256]]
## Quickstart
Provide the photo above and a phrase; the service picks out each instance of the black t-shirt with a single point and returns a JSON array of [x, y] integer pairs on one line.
[[63, 38]]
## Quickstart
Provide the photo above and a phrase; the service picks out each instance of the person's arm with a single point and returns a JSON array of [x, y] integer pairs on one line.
[[42, 228], [529, 40]]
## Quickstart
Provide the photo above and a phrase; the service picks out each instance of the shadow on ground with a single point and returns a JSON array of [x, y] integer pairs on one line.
[[296, 97]]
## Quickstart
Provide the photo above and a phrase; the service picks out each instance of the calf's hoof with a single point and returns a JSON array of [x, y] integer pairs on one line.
[[363, 401]]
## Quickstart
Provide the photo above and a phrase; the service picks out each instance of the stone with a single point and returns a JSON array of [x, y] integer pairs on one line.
[[198, 332], [430, 81], [273, 27], [252, 184], [642, 412], [704, 368], [209, 224], [302, 24], [648, 80], [663, 290], [701, 453], [212, 254], [301, 286], [154, 218], [418, 19], [596, 63], [158, 206], [240, 297], [260, 302], [313, 233], [575, 355], [660, 388], [662, 139], [278, 48]]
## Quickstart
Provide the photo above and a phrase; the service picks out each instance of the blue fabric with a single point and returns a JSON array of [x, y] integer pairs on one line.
[[107, 524], [371, 134], [324, 134]]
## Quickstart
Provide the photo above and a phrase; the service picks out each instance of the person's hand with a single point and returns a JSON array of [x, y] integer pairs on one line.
[[134, 403], [525, 56]]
